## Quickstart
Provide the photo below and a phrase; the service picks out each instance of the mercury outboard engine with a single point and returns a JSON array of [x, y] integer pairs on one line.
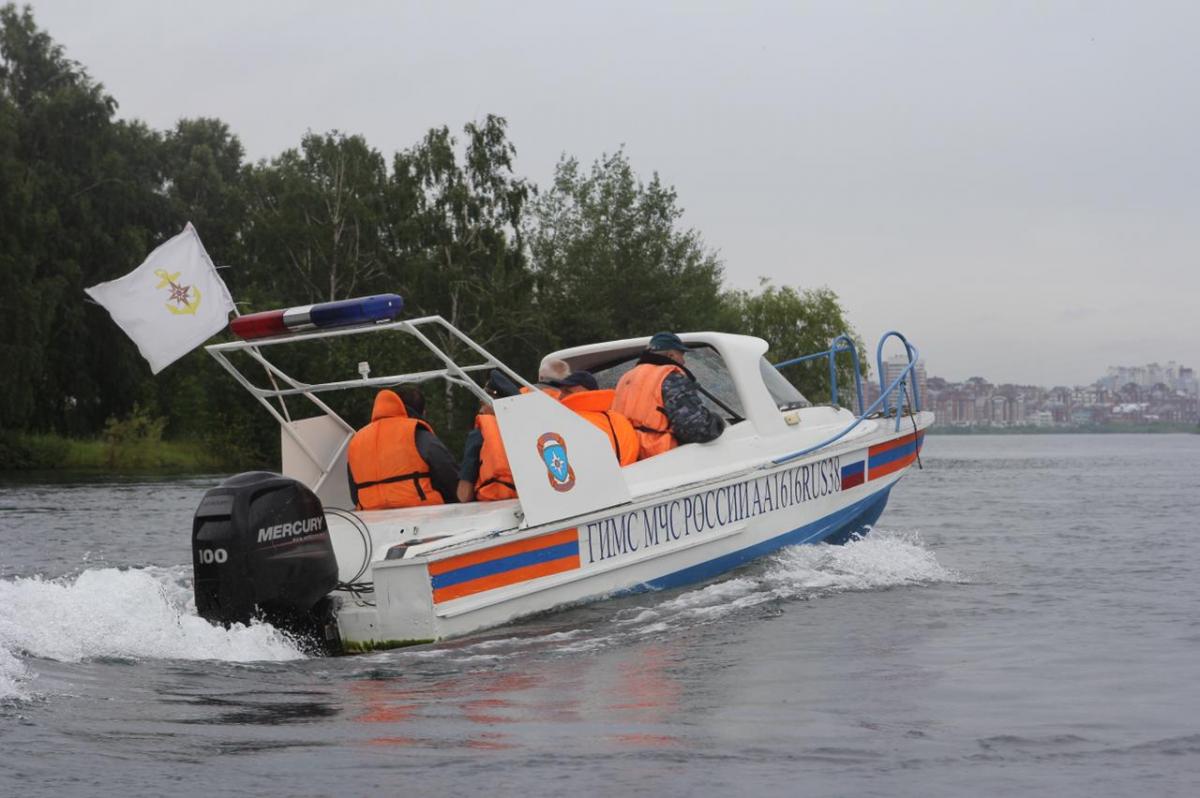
[[261, 549]]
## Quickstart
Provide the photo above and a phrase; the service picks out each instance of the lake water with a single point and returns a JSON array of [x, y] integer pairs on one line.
[[1024, 621]]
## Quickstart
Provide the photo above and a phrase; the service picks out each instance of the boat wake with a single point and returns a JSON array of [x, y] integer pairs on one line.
[[149, 613], [110, 613], [883, 559]]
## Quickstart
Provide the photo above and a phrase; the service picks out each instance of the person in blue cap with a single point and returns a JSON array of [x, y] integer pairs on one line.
[[660, 397]]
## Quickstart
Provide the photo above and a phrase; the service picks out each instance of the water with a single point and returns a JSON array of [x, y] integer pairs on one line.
[[1025, 621]]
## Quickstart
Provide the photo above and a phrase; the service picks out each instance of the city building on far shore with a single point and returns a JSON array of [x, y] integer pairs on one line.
[[1125, 396], [893, 367]]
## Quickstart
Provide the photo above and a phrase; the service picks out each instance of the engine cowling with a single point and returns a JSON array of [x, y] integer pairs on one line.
[[261, 548]]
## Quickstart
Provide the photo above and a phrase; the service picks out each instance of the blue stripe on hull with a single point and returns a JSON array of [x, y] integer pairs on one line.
[[837, 527], [869, 515], [883, 458], [492, 567]]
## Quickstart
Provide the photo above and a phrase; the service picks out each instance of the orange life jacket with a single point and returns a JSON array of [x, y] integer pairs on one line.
[[549, 390], [385, 467], [594, 406], [495, 480], [639, 398]]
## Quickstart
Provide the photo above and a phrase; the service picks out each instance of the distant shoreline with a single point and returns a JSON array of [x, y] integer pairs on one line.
[[1154, 428], [52, 453]]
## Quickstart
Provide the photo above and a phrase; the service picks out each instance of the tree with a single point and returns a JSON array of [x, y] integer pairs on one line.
[[314, 221], [77, 199], [457, 228], [612, 260], [204, 181], [797, 323], [84, 198]]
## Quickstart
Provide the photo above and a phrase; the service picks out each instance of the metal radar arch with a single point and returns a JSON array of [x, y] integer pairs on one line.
[[350, 317]]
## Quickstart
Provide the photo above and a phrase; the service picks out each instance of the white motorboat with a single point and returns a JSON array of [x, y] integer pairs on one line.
[[291, 547]]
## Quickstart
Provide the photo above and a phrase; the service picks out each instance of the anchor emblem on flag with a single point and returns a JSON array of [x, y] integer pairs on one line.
[[178, 293]]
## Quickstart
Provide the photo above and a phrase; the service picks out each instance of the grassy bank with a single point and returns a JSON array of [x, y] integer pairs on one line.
[[20, 452], [133, 444]]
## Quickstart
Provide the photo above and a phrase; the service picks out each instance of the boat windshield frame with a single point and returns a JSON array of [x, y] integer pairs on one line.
[[786, 395]]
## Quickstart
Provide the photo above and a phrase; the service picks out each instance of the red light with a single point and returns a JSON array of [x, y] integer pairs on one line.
[[259, 325]]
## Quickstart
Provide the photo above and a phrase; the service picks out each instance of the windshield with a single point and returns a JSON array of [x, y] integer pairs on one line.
[[786, 396], [709, 370]]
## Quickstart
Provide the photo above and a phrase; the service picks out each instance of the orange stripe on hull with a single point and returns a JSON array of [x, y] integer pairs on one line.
[[507, 578], [895, 465], [898, 442], [505, 550]]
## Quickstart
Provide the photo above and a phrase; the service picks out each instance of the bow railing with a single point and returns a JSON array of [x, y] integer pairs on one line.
[[842, 343], [893, 396]]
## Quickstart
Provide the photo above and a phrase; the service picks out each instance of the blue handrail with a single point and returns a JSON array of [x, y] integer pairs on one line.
[[913, 356], [843, 343], [895, 391]]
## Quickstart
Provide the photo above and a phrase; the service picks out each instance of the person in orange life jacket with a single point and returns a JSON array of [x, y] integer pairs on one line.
[[485, 474], [397, 460], [659, 395], [581, 393]]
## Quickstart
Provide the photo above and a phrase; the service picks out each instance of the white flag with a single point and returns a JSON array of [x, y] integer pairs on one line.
[[172, 303]]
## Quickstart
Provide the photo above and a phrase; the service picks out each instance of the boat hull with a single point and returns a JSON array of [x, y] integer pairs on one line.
[[836, 529], [669, 540]]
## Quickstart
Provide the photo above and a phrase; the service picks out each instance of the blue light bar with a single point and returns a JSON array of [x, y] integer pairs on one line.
[[362, 310], [343, 313]]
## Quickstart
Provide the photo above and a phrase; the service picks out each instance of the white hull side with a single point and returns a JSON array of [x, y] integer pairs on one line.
[[657, 541]]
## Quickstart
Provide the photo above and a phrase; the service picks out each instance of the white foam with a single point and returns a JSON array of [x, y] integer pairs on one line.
[[140, 613], [12, 676], [883, 559], [880, 560]]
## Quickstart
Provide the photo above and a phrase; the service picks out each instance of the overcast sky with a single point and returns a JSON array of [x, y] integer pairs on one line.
[[1015, 186]]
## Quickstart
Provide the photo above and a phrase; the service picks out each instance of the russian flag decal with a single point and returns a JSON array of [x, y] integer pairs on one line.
[[853, 474]]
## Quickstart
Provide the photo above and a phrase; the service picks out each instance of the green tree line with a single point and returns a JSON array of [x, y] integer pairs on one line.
[[447, 223]]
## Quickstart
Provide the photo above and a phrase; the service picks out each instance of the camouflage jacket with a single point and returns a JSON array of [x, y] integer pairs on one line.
[[691, 421]]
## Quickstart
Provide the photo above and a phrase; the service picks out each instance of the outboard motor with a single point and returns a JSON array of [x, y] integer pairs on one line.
[[261, 548]]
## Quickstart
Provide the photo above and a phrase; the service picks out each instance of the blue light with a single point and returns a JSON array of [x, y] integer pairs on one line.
[[363, 310]]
